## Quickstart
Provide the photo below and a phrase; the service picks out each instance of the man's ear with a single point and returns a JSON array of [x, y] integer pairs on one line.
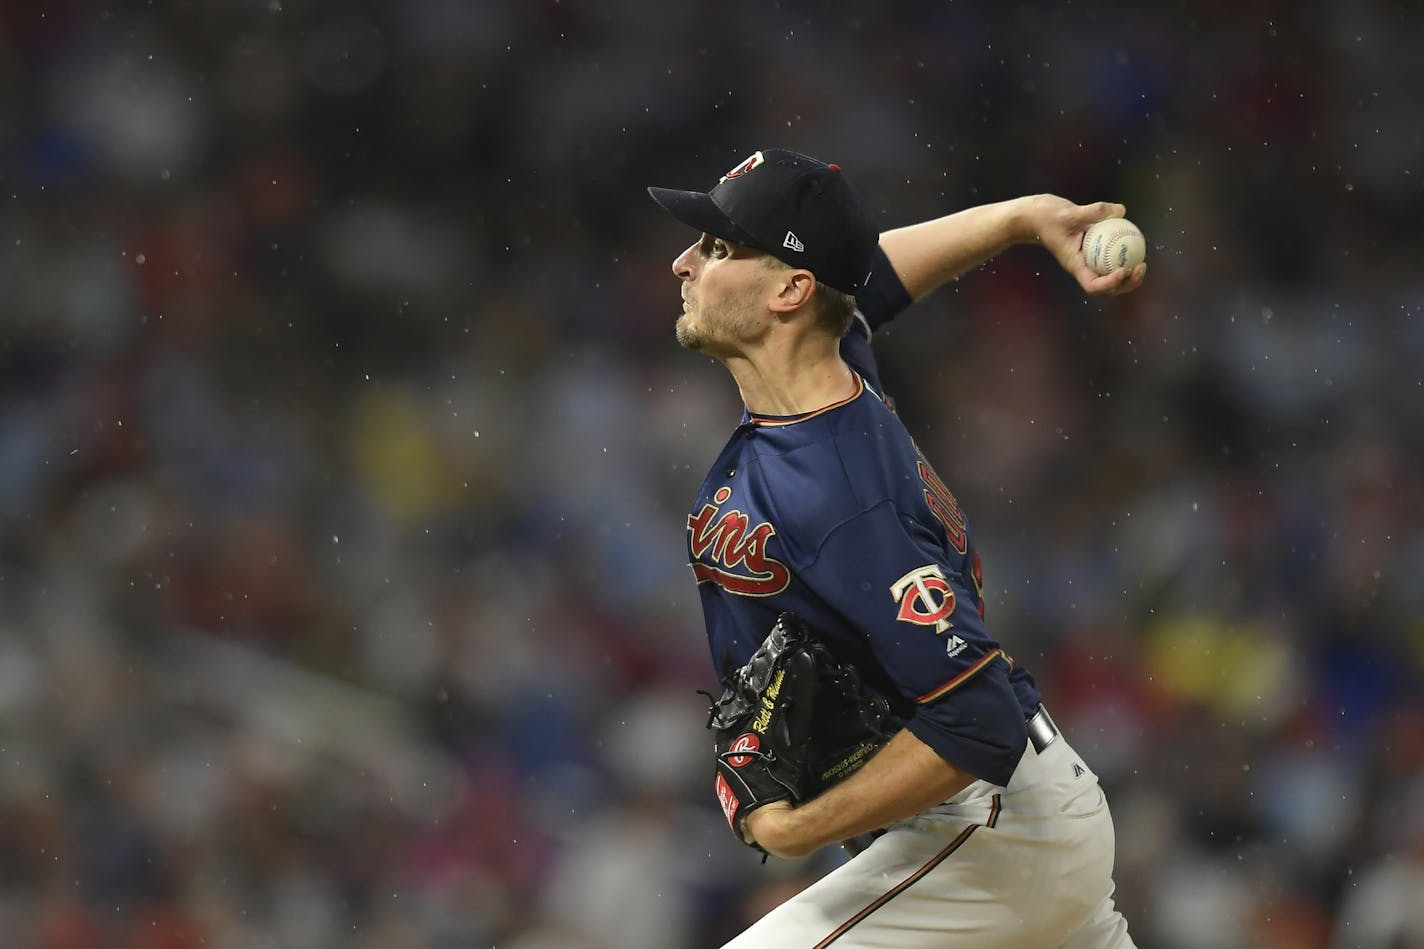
[[794, 290]]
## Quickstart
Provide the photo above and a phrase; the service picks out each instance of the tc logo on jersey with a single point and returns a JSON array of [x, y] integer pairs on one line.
[[925, 597]]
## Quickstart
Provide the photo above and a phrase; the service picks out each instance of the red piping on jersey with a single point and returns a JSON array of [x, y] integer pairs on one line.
[[960, 679], [793, 419]]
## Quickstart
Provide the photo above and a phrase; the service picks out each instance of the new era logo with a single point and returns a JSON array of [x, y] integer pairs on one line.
[[954, 647], [793, 242]]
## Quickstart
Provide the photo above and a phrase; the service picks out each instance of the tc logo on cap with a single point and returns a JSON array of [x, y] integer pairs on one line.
[[743, 168]]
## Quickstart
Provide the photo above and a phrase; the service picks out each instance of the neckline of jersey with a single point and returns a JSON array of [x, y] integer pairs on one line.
[[771, 421]]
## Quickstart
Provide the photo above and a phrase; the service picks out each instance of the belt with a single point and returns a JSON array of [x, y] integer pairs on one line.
[[1041, 730]]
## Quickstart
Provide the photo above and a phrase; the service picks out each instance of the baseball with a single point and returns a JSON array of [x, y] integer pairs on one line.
[[1113, 243]]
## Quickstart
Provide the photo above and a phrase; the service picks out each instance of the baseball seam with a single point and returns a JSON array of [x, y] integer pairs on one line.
[[1108, 252]]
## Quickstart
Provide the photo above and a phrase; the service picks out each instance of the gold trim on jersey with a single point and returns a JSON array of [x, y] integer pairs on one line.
[[768, 422], [963, 676]]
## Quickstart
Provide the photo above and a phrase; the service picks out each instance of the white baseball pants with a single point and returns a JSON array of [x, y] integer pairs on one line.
[[1025, 866]]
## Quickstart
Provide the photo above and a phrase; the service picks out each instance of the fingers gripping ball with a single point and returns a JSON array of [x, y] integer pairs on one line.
[[1112, 245], [761, 725]]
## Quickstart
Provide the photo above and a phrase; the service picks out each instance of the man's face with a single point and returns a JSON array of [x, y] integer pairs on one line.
[[724, 289]]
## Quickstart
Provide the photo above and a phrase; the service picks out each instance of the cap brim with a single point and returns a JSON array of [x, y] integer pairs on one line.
[[696, 209]]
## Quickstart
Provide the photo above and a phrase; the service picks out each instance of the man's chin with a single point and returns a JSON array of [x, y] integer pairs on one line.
[[687, 337]]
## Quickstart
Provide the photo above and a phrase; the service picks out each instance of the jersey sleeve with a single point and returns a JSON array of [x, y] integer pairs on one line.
[[891, 580], [883, 297]]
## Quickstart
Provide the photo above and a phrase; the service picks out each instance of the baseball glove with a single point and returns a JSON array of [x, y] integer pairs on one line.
[[790, 723]]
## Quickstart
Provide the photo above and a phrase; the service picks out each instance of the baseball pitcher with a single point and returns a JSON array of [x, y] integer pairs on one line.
[[864, 697]]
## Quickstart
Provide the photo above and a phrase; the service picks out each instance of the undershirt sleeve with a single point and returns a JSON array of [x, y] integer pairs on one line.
[[883, 297]]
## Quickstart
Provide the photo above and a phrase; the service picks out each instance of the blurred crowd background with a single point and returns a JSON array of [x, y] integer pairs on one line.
[[345, 452]]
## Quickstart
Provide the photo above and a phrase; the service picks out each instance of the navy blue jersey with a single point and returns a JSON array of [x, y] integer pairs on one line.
[[836, 516]]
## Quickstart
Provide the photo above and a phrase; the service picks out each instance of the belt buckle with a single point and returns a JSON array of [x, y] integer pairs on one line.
[[1041, 729]]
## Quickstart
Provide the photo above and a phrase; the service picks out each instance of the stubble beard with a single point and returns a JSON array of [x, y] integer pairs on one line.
[[711, 334], [687, 335]]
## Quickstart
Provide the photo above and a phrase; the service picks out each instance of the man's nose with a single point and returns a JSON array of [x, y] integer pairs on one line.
[[682, 266]]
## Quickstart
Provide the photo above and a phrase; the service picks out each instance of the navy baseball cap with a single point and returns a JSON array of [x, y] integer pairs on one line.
[[794, 207]]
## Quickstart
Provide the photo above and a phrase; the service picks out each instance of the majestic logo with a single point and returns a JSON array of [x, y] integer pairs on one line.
[[793, 242], [744, 167], [954, 646], [728, 551], [745, 742], [925, 598]]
